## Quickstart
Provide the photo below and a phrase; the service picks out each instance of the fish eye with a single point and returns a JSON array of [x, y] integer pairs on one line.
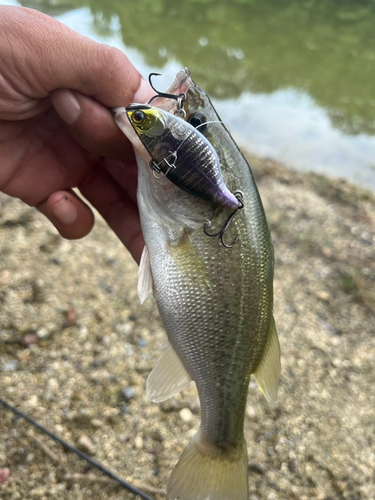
[[138, 117], [198, 121]]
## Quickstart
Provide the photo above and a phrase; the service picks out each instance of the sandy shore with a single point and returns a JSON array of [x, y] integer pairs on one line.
[[76, 348]]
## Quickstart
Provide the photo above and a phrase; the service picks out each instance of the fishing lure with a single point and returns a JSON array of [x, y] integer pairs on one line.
[[181, 153]]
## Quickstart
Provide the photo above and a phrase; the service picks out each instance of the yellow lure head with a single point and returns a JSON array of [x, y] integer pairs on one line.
[[146, 120]]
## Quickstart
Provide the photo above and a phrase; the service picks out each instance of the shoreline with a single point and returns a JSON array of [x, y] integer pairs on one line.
[[73, 336]]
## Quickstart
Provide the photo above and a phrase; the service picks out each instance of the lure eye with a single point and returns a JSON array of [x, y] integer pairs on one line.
[[138, 117], [198, 121]]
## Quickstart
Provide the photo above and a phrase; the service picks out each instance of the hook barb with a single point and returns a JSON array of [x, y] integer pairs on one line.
[[220, 234]]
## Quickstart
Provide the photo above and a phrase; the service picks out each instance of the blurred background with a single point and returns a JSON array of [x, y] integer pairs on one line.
[[293, 79]]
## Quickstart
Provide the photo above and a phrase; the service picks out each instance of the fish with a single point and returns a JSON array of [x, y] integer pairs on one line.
[[216, 303], [181, 153]]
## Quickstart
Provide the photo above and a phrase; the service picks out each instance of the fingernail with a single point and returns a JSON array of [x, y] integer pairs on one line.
[[144, 92], [66, 105], [65, 211]]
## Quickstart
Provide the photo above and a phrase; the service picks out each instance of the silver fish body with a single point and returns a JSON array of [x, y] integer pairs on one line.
[[216, 305]]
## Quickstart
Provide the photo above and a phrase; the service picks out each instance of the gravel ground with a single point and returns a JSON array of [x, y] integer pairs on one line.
[[76, 348]]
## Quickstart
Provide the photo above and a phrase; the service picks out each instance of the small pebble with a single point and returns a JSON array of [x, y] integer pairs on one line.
[[42, 333], [138, 442], [126, 328], [322, 295], [85, 444], [10, 366], [257, 468], [32, 402], [56, 260], [4, 474], [29, 339], [186, 415], [95, 422], [71, 315], [52, 385], [251, 411], [127, 393]]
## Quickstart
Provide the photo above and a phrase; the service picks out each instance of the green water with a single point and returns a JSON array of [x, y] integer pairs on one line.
[[324, 49]]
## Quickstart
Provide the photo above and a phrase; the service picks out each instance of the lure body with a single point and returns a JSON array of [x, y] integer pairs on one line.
[[181, 153]]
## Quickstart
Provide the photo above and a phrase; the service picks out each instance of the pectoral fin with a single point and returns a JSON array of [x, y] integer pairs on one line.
[[145, 280], [267, 373], [168, 376]]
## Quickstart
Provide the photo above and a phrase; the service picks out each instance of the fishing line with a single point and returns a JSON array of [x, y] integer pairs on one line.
[[71, 448]]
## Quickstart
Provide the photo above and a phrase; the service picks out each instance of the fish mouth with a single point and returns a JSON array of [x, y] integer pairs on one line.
[[182, 82]]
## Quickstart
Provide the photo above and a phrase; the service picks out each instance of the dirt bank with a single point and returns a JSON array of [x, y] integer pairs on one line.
[[76, 348]]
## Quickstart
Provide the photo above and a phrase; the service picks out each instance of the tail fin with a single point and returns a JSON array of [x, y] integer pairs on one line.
[[208, 473]]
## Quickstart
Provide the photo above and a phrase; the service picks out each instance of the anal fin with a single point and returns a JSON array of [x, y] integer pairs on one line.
[[267, 373], [168, 376]]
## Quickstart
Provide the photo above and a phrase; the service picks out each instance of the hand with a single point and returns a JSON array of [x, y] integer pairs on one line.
[[56, 130]]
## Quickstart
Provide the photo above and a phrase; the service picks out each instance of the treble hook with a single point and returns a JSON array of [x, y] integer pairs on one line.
[[222, 231], [176, 97]]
